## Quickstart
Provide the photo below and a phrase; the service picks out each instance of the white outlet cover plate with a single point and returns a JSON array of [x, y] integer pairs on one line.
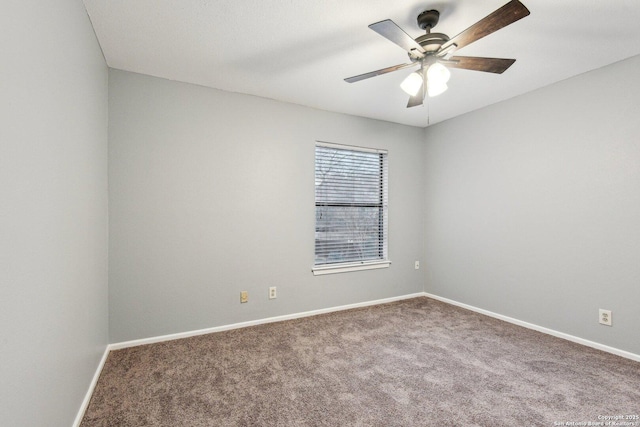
[[604, 317]]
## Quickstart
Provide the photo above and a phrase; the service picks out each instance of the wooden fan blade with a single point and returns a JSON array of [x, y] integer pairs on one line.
[[507, 14], [416, 99], [379, 72], [488, 65], [389, 30]]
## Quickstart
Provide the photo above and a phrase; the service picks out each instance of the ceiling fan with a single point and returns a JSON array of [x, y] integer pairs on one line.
[[433, 52]]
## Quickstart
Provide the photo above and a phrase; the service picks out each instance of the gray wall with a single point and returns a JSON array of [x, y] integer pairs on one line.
[[533, 206], [53, 211], [211, 193]]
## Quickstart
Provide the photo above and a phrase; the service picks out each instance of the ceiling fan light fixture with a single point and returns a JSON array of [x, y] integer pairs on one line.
[[412, 83], [438, 74], [436, 88]]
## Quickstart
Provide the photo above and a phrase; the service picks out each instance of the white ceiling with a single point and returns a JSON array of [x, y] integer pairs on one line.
[[300, 51]]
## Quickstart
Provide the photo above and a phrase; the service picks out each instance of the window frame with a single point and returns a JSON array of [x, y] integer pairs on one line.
[[367, 264]]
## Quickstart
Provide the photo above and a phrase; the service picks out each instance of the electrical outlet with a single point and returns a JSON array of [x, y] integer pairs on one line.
[[244, 296], [605, 317], [417, 265], [272, 292]]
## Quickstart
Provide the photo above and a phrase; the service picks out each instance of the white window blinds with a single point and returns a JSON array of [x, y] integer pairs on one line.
[[351, 204]]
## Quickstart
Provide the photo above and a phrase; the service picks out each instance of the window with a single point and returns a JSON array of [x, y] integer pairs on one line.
[[351, 208]]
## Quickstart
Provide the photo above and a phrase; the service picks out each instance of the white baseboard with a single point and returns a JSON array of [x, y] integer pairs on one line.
[[92, 386], [180, 335], [608, 349]]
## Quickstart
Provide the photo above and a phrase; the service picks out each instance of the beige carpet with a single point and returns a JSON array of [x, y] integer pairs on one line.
[[416, 362]]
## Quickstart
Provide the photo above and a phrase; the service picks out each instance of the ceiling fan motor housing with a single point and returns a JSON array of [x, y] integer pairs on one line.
[[431, 43]]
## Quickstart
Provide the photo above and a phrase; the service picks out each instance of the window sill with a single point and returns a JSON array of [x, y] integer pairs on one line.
[[344, 268]]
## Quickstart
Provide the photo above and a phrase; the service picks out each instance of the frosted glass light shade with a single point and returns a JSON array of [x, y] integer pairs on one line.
[[435, 88], [412, 83], [438, 73]]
